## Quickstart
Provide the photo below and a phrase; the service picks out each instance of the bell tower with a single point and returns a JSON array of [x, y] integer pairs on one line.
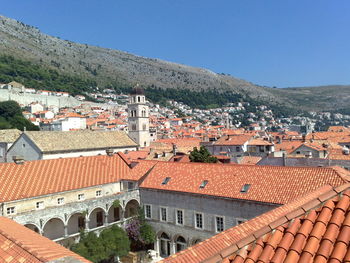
[[138, 117]]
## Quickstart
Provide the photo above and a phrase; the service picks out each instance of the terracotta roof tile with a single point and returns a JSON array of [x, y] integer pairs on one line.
[[267, 183], [57, 175], [19, 244]]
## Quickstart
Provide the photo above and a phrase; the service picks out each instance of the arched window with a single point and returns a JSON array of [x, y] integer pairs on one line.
[[180, 244]]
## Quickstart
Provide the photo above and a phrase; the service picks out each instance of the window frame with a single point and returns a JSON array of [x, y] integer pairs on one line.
[[195, 220], [161, 215], [216, 223], [39, 205], [183, 217], [58, 200], [12, 210], [150, 210], [100, 193], [81, 195]]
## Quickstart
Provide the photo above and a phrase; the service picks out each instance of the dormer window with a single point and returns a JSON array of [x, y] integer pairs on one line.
[[166, 180], [245, 188], [203, 184]]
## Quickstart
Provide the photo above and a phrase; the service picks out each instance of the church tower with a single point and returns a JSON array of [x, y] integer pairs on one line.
[[138, 117]]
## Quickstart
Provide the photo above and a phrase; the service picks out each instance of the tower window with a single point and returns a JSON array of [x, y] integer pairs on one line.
[[133, 127], [144, 126], [138, 99]]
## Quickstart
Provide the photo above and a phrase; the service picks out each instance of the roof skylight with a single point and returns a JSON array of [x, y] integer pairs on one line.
[[166, 180], [203, 184], [245, 188]]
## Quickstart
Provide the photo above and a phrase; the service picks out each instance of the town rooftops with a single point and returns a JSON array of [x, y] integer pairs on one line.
[[9, 135], [65, 141], [313, 228], [268, 184], [19, 244], [233, 140], [36, 178]]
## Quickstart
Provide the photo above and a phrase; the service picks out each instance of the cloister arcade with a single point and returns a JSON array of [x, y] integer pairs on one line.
[[167, 245], [59, 228]]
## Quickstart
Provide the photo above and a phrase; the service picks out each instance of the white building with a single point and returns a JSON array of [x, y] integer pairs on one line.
[[38, 145], [138, 118]]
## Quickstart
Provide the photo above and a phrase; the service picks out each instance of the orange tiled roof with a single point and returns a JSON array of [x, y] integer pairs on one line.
[[268, 183], [288, 146], [141, 168], [252, 160], [259, 142], [233, 140], [19, 244], [35, 178]]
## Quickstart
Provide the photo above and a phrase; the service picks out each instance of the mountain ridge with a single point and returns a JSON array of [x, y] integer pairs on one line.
[[119, 68]]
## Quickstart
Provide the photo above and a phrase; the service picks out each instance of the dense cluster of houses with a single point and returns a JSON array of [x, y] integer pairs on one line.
[[271, 197]]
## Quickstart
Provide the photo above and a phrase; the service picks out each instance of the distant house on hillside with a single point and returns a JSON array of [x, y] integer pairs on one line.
[[40, 145]]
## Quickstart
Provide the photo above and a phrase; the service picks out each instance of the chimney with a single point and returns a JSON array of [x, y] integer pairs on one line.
[[174, 149], [18, 159], [109, 152], [284, 156]]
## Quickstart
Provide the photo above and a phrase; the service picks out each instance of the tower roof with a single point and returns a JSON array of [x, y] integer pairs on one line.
[[137, 90]]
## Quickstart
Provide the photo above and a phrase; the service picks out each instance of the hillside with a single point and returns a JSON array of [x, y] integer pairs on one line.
[[121, 70]]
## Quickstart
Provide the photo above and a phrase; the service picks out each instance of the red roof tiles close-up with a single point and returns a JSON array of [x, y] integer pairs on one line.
[[19, 244]]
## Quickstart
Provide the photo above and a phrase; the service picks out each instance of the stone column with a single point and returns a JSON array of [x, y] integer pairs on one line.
[[65, 230], [86, 223], [105, 219], [172, 247]]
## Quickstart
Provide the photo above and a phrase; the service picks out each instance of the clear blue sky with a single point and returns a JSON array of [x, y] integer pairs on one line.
[[268, 42]]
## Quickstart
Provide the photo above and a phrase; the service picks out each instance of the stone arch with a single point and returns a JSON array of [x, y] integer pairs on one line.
[[33, 227], [96, 217], [180, 243], [195, 241], [114, 213], [54, 228], [164, 244], [76, 223], [131, 208]]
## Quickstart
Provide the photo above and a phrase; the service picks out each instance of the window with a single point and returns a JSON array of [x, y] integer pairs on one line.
[[163, 214], [130, 185], [203, 184], [238, 149], [98, 193], [199, 220], [166, 180], [60, 201], [179, 217], [245, 188], [144, 127], [24, 146], [219, 224], [81, 197], [148, 211], [133, 127], [11, 210], [39, 205]]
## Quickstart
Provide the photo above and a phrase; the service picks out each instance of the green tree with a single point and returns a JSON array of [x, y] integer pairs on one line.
[[112, 242], [11, 117], [115, 242], [202, 156]]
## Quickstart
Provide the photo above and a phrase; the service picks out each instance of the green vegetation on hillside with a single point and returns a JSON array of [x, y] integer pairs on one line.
[[40, 77], [11, 117]]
